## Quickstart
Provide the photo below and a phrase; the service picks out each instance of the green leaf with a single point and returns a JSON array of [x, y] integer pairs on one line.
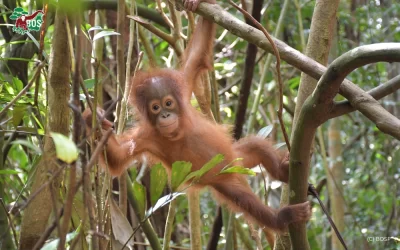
[[294, 82], [18, 114], [8, 171], [207, 167], [133, 173], [238, 170], [231, 163], [28, 144], [158, 179], [105, 33], [180, 169], [66, 149], [139, 192], [89, 83]]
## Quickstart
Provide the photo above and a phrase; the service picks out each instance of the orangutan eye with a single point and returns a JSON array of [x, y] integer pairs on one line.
[[168, 103], [156, 107]]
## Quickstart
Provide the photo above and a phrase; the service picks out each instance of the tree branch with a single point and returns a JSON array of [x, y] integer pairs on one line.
[[329, 84], [384, 89], [290, 55]]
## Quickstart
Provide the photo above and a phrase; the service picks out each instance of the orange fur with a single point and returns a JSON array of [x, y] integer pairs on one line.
[[197, 140]]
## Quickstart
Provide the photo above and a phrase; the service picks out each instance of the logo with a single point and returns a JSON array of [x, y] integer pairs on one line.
[[25, 22]]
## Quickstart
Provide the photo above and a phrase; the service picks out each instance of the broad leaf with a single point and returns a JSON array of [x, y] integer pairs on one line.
[[66, 149], [158, 179], [139, 192], [18, 114], [28, 144], [207, 167], [180, 169]]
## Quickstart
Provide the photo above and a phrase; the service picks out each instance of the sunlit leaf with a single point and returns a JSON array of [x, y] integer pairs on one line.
[[163, 201], [207, 167], [95, 28], [238, 170], [158, 180], [66, 149], [231, 163], [104, 33], [265, 131]]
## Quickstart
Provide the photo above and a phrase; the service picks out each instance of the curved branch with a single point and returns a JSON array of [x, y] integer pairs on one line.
[[329, 84], [317, 107], [384, 89]]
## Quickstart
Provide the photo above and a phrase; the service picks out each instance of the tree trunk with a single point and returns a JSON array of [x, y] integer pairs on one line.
[[318, 47], [36, 215]]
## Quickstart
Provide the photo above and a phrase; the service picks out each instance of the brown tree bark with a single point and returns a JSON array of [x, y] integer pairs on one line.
[[37, 213], [318, 48], [247, 78]]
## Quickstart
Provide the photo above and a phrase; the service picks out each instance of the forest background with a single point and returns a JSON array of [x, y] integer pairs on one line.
[[53, 195]]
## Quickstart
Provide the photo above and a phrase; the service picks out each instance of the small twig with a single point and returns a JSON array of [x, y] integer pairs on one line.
[[163, 15], [255, 236], [98, 150], [312, 190], [161, 34], [176, 31], [278, 64]]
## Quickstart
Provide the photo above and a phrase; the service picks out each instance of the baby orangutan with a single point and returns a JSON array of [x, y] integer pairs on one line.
[[170, 129]]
